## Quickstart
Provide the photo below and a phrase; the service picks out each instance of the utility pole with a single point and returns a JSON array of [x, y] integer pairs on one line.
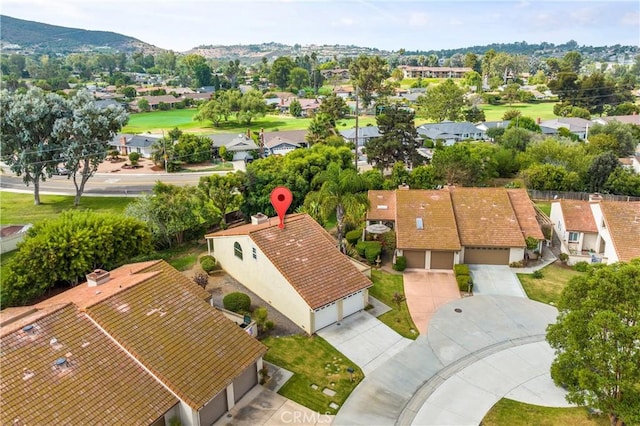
[[356, 133]]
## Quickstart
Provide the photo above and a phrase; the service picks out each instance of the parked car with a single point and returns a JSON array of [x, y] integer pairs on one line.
[[61, 171]]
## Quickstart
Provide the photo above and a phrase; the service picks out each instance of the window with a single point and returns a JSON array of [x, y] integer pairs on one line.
[[254, 252], [237, 250], [574, 237]]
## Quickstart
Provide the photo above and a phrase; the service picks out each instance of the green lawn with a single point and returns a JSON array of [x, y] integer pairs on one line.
[[507, 412], [542, 110], [548, 288], [313, 362], [156, 121], [545, 206], [19, 208], [385, 285]]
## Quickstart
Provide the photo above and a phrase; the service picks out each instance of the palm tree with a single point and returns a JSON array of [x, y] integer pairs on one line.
[[342, 191]]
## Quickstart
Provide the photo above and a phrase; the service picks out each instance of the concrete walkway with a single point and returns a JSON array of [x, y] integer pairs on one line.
[[495, 280], [460, 334], [365, 340], [426, 291]]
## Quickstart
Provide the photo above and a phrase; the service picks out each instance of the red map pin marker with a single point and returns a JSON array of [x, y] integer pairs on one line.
[[281, 199]]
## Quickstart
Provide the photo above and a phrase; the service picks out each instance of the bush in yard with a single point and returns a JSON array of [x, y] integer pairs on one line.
[[464, 282], [353, 236], [537, 274], [372, 251], [581, 266], [461, 269], [563, 257], [401, 264], [237, 302], [134, 157], [208, 263], [201, 279], [388, 241]]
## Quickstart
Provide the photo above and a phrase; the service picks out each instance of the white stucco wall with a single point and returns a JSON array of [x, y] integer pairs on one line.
[[261, 277], [603, 233], [516, 254]]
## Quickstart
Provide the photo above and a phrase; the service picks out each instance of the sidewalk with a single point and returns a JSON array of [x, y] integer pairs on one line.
[[547, 259]]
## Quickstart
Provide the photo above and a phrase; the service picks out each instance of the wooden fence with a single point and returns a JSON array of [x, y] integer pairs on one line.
[[537, 195]]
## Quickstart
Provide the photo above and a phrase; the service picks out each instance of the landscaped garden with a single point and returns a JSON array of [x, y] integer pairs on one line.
[[389, 289], [513, 413], [547, 289], [321, 376]]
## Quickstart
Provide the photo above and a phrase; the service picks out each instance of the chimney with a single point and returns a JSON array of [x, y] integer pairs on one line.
[[259, 218], [403, 187], [98, 277], [123, 145], [595, 198]]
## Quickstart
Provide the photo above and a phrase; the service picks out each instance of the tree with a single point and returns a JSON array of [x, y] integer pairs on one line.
[[523, 122], [190, 148], [602, 166], [623, 182], [231, 71], [624, 133], [464, 163], [340, 191], [595, 339], [60, 251], [571, 62], [251, 106], [474, 115], [510, 93], [320, 128], [368, 74], [280, 70], [299, 78], [295, 109], [85, 134], [27, 139], [547, 177], [516, 138], [442, 102], [399, 140], [143, 105], [334, 107], [223, 192]]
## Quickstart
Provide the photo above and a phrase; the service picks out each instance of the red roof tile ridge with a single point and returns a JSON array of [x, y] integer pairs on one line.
[[33, 316], [249, 228]]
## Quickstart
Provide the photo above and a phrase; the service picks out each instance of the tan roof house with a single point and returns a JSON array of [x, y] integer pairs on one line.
[[436, 229], [298, 270], [597, 231], [138, 345]]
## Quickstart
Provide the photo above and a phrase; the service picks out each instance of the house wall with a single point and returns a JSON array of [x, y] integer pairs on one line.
[[603, 234], [188, 416], [261, 277], [10, 243], [516, 254], [173, 413]]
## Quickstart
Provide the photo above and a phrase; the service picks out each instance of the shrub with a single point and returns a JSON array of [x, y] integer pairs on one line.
[[362, 247], [353, 236], [537, 274], [531, 243], [464, 282], [134, 157], [208, 263], [372, 251], [201, 279], [461, 269], [401, 264], [563, 257], [388, 240], [581, 266], [237, 302], [517, 264]]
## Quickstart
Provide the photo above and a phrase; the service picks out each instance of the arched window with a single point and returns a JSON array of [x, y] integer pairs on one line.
[[237, 250]]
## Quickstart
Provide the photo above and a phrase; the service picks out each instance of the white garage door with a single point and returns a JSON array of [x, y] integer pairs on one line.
[[325, 316], [352, 304]]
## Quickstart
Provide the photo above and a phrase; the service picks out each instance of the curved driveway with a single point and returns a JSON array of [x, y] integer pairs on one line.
[[493, 347]]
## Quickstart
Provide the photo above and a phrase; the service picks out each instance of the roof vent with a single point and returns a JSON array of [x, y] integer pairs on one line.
[[595, 198], [98, 277], [28, 329], [61, 363], [259, 218], [403, 187]]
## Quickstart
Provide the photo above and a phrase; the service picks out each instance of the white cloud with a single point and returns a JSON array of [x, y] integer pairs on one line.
[[418, 19]]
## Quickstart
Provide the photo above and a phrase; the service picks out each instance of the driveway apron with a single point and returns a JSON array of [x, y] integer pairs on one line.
[[426, 291]]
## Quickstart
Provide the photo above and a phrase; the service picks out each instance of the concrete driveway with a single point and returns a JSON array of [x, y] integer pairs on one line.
[[365, 340], [495, 280], [426, 291]]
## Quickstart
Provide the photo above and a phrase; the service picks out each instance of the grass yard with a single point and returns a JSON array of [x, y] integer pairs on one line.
[[545, 206], [542, 110], [385, 285], [548, 288], [507, 412], [19, 209], [156, 121], [214, 168], [313, 362]]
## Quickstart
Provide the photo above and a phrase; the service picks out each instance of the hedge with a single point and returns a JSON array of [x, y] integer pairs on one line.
[[208, 263], [353, 236], [369, 250], [461, 269], [401, 263], [237, 302], [463, 282]]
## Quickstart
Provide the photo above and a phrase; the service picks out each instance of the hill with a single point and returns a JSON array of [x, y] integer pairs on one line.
[[18, 34]]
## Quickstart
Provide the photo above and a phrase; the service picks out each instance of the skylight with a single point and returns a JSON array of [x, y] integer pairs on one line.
[[419, 224]]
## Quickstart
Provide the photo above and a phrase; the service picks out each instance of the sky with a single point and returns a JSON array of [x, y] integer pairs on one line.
[[180, 25]]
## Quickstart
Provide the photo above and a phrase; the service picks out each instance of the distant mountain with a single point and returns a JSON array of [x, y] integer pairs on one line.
[[35, 36]]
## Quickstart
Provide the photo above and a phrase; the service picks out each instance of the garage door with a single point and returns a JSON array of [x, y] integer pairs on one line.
[[441, 260], [214, 409], [352, 304], [415, 258], [245, 382], [486, 255], [325, 316]]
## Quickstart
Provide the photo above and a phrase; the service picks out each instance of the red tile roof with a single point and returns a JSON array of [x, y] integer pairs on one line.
[[307, 256], [578, 216], [525, 213], [486, 218], [623, 221], [382, 205], [434, 209], [100, 385]]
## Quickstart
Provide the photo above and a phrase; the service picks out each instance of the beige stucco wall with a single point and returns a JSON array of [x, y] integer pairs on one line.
[[516, 254], [261, 277], [603, 234]]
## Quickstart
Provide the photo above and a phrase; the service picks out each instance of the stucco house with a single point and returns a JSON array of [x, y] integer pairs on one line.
[[451, 132], [436, 229], [12, 235], [126, 144], [365, 133], [140, 344], [597, 231], [298, 269], [434, 72], [577, 126], [278, 145]]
